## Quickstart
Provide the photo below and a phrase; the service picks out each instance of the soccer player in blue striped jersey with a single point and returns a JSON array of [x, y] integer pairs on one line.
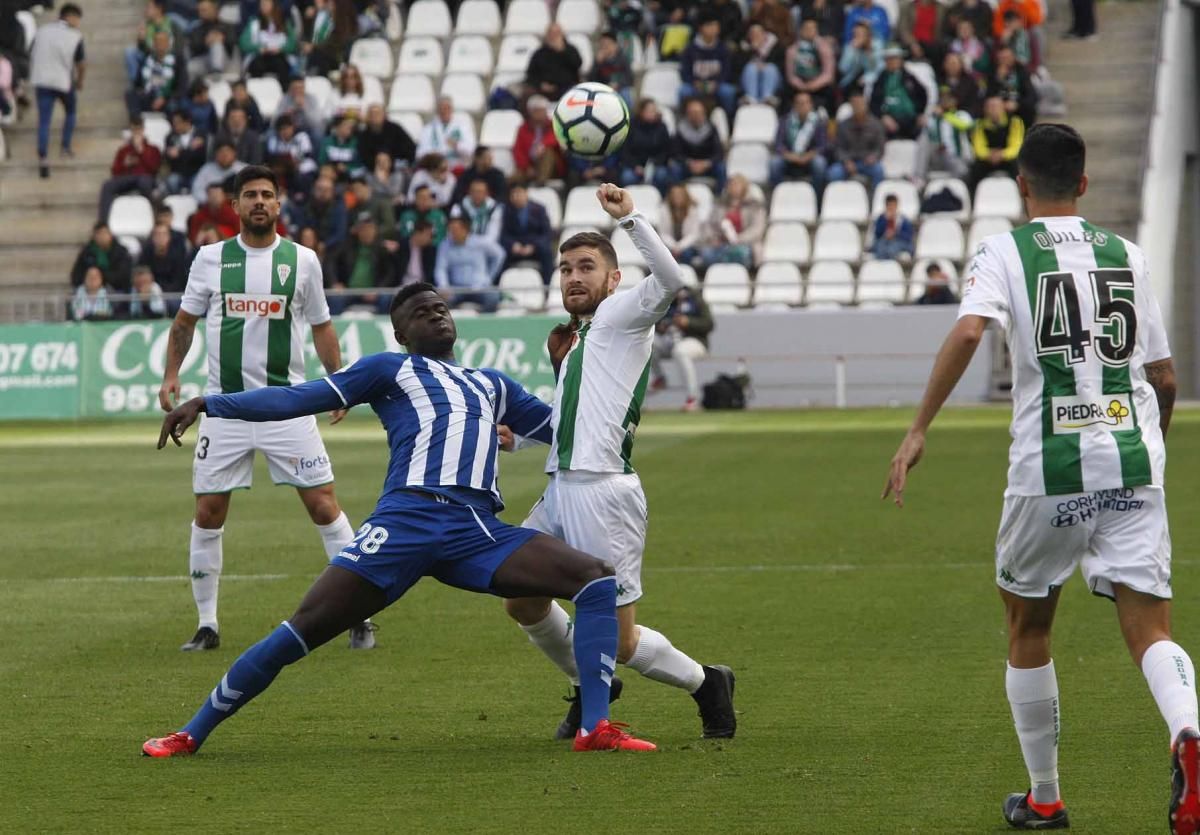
[[436, 516]]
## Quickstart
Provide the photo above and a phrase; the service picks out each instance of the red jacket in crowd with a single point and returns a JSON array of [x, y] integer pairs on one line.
[[129, 161], [225, 219], [527, 137]]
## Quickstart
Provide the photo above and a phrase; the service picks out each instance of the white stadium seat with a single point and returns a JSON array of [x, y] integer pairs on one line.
[[787, 242], [984, 227], [688, 273], [583, 209], [998, 197], [627, 252], [892, 8], [662, 83], [899, 158], [499, 128], [837, 240], [466, 91], [751, 160], [132, 244], [502, 158], [372, 92], [515, 51], [906, 193], [508, 80], [925, 74], [703, 197], [794, 201], [755, 123], [583, 45], [413, 123], [394, 28], [219, 93], [266, 93], [372, 56], [777, 284], [479, 17], [881, 281], [411, 92], [646, 198], [829, 282], [845, 200], [958, 188], [321, 89], [182, 206], [720, 123], [470, 53], [844, 112], [156, 128], [525, 286], [526, 17], [579, 16], [131, 214], [550, 201], [430, 18], [940, 237], [421, 55], [727, 286]]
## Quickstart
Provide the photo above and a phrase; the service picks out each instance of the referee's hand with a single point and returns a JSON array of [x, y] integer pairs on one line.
[[178, 420]]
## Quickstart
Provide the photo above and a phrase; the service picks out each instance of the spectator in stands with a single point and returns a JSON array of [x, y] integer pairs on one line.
[[210, 41], [706, 68], [166, 258], [525, 233], [134, 167], [554, 66], [90, 301], [352, 93], [858, 148], [728, 13], [996, 140], [937, 287], [200, 107], [205, 235], [423, 209], [1030, 15], [239, 96], [810, 65], [8, 96], [165, 215], [800, 145], [360, 197], [340, 149], [1083, 20], [468, 266], [644, 154], [682, 335], [303, 108], [331, 27], [387, 180], [861, 61], [307, 236], [147, 297], [57, 67], [873, 16], [247, 144], [830, 16], [268, 43], [536, 154], [1010, 81], [920, 30], [381, 135], [978, 12], [290, 155], [974, 52], [450, 134], [223, 165], [416, 256], [482, 212], [433, 172], [681, 224], [772, 16], [155, 21], [761, 59], [897, 98], [611, 67], [216, 212], [107, 254], [893, 233], [737, 226], [185, 153], [698, 149], [581, 170], [946, 141], [960, 82], [361, 263], [326, 213], [155, 83], [1015, 36], [483, 167]]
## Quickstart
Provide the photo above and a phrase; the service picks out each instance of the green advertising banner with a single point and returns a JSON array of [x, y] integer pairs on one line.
[[114, 369]]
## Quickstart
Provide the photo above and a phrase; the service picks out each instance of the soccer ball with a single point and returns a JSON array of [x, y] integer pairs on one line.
[[591, 120]]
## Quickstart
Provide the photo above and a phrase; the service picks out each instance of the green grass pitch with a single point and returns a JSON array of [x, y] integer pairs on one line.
[[868, 644]]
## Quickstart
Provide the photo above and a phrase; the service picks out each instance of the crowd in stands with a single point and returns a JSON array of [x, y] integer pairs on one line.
[[388, 195]]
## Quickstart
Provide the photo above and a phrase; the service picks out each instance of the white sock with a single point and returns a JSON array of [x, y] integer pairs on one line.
[[1033, 697], [1172, 680], [204, 562], [655, 658], [552, 635], [336, 535]]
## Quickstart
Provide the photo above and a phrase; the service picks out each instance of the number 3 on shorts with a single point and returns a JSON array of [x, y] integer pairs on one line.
[[370, 538], [201, 447]]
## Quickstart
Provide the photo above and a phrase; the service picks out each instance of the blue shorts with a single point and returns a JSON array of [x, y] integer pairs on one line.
[[413, 535]]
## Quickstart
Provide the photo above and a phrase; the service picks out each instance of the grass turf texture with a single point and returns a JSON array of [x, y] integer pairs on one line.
[[868, 644]]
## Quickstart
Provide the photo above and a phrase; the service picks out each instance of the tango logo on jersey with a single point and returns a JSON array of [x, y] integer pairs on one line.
[[283, 271], [1110, 413], [254, 306]]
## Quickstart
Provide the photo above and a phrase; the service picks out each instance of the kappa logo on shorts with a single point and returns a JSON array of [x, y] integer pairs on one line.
[[1074, 414], [255, 306]]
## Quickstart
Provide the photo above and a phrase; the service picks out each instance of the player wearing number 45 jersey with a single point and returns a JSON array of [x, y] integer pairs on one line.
[[259, 292], [1093, 390]]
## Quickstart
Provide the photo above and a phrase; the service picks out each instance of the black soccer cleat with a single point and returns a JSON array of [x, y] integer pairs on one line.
[[1020, 815], [205, 638], [715, 700], [1184, 815], [572, 722]]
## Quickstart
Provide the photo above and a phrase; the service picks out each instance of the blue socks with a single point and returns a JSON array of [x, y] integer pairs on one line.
[[251, 674], [595, 647]]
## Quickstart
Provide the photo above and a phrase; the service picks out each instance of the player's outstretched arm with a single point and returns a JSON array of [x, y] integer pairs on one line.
[[618, 203], [952, 360]]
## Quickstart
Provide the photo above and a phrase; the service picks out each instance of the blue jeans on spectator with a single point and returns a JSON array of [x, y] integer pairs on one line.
[[891, 248], [488, 300], [660, 177], [873, 172], [727, 254], [45, 106], [726, 96], [761, 82], [680, 172], [814, 172], [133, 63]]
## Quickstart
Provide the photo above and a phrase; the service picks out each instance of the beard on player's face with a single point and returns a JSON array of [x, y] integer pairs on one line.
[[585, 282]]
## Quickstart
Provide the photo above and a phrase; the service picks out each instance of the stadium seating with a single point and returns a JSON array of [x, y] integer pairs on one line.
[[688, 274], [583, 210], [28, 24], [727, 286], [751, 160], [627, 251], [881, 282], [421, 55], [413, 93], [982, 227], [219, 93], [838, 240], [156, 127], [515, 51], [959, 189], [412, 123], [829, 283], [526, 17], [579, 16], [470, 54], [940, 237], [466, 90], [499, 128], [583, 45], [479, 17], [755, 123], [182, 207], [662, 83], [394, 28], [906, 193], [266, 93], [777, 285], [998, 197], [647, 199], [794, 201], [702, 195], [372, 91], [845, 200], [525, 287], [372, 56], [131, 214], [132, 244], [430, 18], [899, 159], [550, 201], [787, 242], [321, 89]]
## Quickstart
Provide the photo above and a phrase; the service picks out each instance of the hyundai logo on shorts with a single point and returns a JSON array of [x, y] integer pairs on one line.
[[1065, 520]]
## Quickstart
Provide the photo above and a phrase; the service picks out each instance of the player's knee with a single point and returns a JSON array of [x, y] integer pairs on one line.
[[323, 507], [527, 610], [210, 515]]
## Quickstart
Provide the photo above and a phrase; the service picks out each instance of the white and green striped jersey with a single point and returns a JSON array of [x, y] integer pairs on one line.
[[1081, 321], [259, 303], [602, 383]]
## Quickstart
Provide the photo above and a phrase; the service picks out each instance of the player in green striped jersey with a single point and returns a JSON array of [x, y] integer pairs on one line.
[[259, 293], [1093, 389]]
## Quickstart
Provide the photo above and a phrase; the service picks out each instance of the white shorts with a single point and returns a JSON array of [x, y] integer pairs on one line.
[[225, 450], [1115, 536], [601, 514]]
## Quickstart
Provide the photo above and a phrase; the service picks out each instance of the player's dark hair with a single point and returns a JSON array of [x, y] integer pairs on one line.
[[254, 172], [69, 9], [594, 240], [407, 292], [1052, 161]]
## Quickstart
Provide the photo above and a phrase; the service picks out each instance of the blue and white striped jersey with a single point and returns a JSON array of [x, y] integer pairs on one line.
[[440, 418]]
